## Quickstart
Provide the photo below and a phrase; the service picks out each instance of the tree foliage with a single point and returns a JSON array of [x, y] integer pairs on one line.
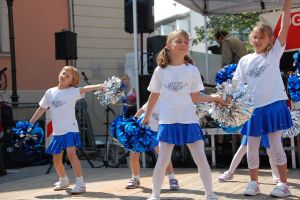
[[241, 23]]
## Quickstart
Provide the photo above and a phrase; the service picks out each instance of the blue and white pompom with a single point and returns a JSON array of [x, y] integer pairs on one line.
[[296, 58], [113, 92], [202, 110], [131, 135], [240, 108], [225, 73], [231, 129], [295, 129], [28, 136], [294, 86], [294, 79]]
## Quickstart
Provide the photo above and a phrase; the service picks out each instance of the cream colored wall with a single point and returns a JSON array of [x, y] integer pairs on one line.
[[102, 41], [102, 47]]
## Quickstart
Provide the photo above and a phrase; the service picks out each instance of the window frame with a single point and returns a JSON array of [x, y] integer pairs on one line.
[[4, 28]]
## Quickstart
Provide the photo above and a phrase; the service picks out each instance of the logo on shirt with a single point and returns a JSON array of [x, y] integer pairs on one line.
[[57, 104], [175, 86], [257, 72]]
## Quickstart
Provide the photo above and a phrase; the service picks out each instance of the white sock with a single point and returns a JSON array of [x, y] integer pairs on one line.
[[63, 178], [79, 181], [171, 176], [137, 177]]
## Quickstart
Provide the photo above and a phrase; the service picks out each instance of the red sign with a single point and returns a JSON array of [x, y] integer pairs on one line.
[[293, 40]]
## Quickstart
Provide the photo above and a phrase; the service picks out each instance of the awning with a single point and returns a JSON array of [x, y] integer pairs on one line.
[[209, 7]]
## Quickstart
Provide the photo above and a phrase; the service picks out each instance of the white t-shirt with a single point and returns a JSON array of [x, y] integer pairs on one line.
[[175, 85], [62, 104], [262, 74]]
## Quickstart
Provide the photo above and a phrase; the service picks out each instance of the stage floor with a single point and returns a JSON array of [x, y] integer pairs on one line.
[[109, 184]]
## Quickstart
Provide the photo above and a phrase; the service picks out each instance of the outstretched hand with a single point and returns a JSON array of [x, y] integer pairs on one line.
[[218, 99], [145, 121], [102, 87]]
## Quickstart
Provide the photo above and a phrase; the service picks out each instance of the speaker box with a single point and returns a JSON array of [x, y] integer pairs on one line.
[[6, 118], [65, 45], [145, 17], [154, 45], [144, 81]]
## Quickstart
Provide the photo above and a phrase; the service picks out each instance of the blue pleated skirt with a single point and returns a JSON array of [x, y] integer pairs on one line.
[[268, 119], [264, 141], [179, 134], [61, 142]]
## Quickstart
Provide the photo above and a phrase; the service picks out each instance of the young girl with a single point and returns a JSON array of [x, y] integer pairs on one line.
[[134, 182], [260, 70], [228, 175], [61, 100], [177, 84], [130, 109]]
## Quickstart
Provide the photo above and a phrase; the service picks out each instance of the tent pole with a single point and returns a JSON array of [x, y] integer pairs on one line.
[[206, 51], [135, 42]]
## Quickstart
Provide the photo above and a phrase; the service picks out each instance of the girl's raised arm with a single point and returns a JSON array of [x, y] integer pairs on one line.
[[285, 21]]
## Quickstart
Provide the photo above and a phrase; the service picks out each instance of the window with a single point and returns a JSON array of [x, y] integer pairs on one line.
[[4, 32]]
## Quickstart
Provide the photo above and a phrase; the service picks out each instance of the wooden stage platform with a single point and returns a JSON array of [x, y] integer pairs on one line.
[[109, 184]]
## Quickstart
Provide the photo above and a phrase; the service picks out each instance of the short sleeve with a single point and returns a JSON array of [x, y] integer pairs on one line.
[[277, 50], [45, 101], [77, 95], [239, 72], [155, 84], [197, 84]]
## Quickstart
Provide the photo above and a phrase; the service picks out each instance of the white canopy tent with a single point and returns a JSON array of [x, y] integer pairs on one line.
[[209, 7], [218, 7]]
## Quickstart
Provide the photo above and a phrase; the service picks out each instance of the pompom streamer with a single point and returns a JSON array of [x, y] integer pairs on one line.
[[131, 135], [240, 108], [202, 110], [28, 136], [294, 79], [113, 92], [294, 86], [295, 129], [225, 73]]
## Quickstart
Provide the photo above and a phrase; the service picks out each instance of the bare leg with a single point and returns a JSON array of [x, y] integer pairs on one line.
[[135, 163], [71, 152], [58, 165]]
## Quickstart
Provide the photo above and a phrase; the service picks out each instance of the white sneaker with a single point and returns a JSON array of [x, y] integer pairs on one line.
[[211, 196], [226, 176], [78, 189], [281, 190], [252, 189], [62, 184]]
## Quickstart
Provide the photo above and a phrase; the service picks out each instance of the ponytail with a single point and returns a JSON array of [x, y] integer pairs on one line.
[[188, 60], [163, 58]]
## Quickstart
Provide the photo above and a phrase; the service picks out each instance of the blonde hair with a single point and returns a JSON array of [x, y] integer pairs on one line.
[[75, 75], [263, 29], [164, 56]]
